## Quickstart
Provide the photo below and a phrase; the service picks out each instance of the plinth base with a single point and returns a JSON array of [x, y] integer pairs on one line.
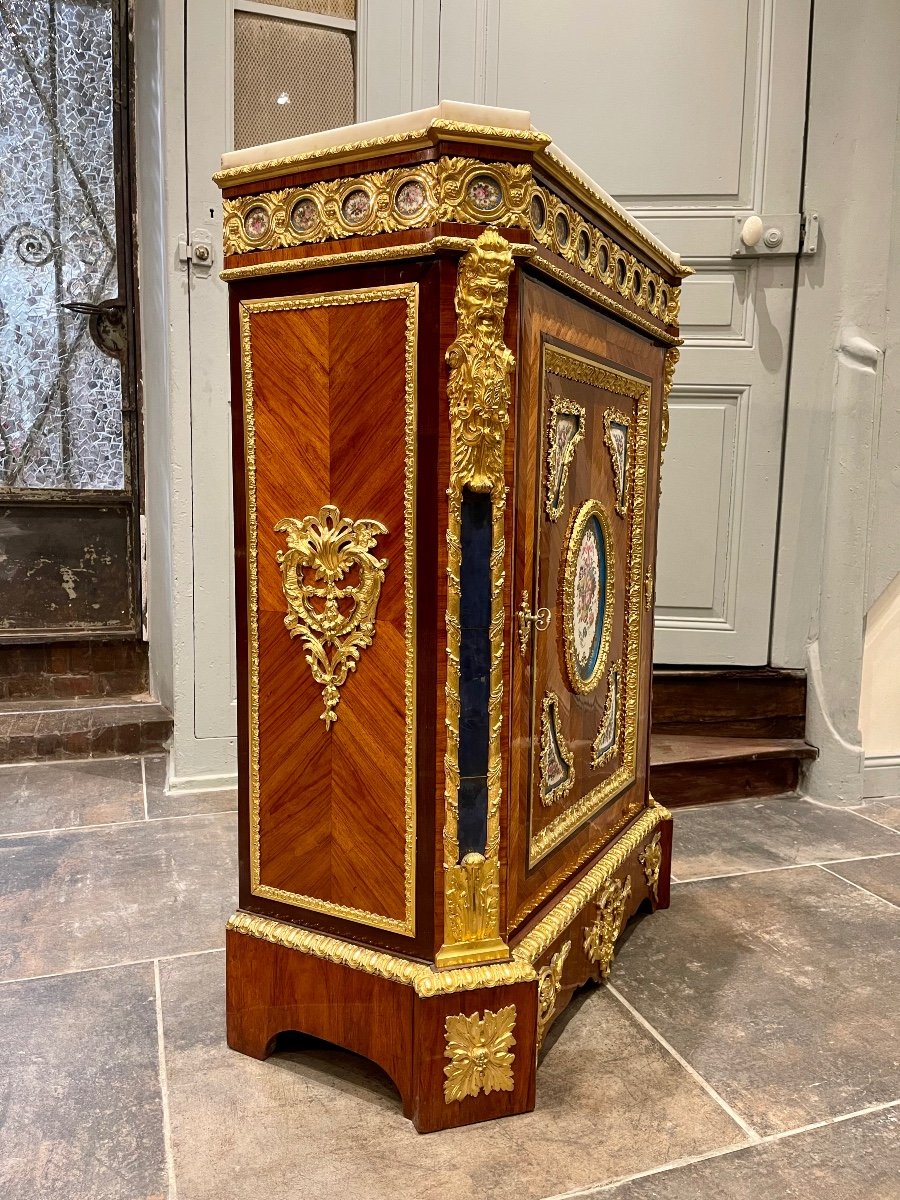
[[460, 1045]]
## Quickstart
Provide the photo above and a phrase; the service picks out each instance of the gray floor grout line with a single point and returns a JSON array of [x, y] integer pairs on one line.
[[135, 962], [164, 1085], [859, 886], [853, 811], [116, 824], [747, 1130], [788, 867], [144, 787], [74, 762], [722, 1152]]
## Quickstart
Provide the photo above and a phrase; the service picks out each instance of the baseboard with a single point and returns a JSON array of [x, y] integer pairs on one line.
[[881, 777]]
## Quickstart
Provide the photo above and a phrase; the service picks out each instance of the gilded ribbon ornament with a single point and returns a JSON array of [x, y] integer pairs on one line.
[[478, 392]]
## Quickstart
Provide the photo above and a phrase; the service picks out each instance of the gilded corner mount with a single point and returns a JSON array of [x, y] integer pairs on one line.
[[480, 1053], [478, 392]]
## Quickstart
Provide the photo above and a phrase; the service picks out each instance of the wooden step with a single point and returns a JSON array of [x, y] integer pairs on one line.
[[699, 769], [742, 701], [72, 670], [43, 729]]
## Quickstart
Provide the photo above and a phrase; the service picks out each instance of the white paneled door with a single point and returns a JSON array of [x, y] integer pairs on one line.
[[692, 114]]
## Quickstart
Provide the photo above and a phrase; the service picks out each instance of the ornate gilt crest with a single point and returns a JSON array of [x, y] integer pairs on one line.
[[601, 936], [549, 987], [335, 622], [651, 860], [480, 1053]]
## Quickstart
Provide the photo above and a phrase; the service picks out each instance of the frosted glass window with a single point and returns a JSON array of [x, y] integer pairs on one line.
[[289, 78], [60, 396]]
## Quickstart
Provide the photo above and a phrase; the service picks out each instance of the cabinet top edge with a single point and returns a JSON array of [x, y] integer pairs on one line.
[[409, 133]]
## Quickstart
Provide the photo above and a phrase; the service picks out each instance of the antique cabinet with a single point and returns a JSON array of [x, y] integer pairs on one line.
[[451, 356]]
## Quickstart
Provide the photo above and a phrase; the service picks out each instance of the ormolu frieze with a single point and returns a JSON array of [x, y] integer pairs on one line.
[[451, 189], [321, 552], [561, 229]]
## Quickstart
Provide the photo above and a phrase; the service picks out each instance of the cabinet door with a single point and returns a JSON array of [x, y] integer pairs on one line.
[[585, 537]]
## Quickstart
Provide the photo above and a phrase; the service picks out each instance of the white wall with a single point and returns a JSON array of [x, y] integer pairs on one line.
[[841, 330], [879, 710]]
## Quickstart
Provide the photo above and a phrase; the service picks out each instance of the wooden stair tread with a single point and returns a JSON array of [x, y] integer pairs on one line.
[[50, 728], [670, 749]]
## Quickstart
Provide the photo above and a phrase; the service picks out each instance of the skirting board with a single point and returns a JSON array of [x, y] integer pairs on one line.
[[881, 777]]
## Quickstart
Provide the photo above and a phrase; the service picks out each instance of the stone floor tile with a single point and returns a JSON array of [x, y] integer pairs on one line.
[[83, 898], [858, 1159], [60, 795], [878, 875], [885, 810], [749, 835], [181, 805], [773, 987], [323, 1123], [82, 1112]]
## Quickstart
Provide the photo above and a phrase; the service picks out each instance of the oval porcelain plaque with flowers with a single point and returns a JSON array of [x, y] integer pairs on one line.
[[588, 595]]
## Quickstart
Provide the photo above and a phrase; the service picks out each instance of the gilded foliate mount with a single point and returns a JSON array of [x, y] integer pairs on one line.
[[479, 392], [336, 623], [480, 1053]]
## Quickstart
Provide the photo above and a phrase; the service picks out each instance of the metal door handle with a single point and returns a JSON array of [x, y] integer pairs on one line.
[[540, 620]]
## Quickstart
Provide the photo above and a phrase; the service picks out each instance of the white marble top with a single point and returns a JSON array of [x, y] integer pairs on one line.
[[447, 110]]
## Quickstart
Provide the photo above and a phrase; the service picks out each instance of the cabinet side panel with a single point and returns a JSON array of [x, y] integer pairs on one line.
[[331, 388]]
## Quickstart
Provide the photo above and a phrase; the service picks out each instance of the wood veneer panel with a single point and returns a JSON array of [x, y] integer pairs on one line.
[[329, 388]]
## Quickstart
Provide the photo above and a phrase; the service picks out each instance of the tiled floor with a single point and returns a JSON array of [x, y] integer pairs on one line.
[[747, 1046]]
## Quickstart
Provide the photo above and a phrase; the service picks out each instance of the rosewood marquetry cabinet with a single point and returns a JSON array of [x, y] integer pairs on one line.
[[451, 356]]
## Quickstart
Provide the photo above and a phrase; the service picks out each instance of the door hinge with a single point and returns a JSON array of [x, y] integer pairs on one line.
[[198, 251]]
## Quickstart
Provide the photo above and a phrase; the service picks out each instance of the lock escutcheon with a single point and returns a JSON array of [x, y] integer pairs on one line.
[[539, 619]]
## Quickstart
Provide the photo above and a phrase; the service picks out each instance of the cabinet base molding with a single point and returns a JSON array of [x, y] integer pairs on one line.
[[461, 1046]]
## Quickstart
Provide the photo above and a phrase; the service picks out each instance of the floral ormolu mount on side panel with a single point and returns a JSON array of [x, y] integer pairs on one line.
[[324, 549]]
